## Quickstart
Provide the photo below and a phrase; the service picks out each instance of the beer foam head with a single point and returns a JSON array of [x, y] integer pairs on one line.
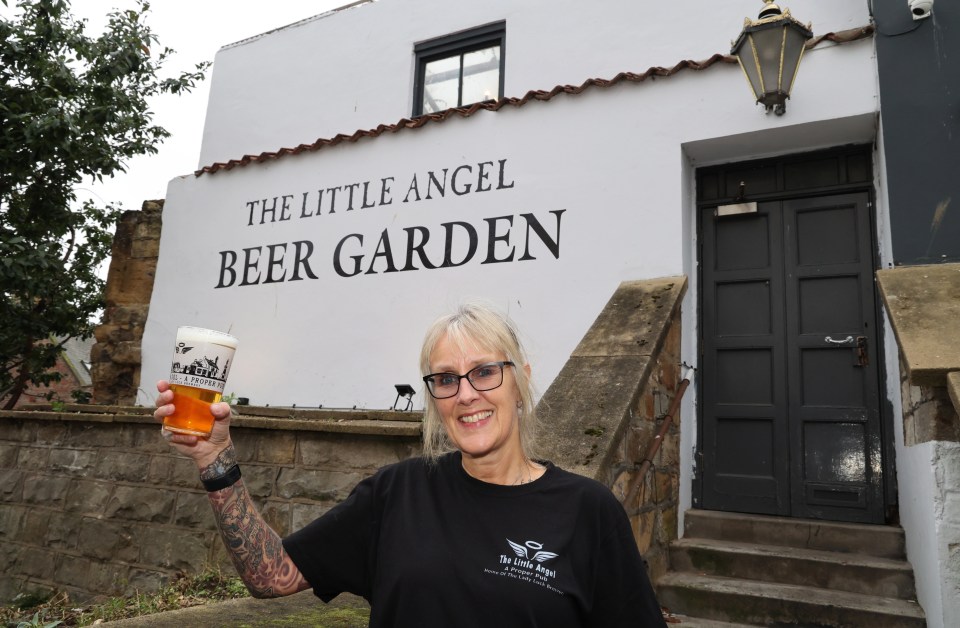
[[199, 334]]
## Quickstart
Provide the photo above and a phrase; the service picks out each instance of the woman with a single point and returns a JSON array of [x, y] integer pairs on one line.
[[477, 532]]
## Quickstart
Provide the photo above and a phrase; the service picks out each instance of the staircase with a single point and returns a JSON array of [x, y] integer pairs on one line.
[[738, 569]]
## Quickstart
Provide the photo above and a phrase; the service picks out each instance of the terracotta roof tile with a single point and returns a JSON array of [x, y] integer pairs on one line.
[[841, 37]]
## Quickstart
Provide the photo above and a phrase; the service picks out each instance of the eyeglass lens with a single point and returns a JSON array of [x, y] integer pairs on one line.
[[483, 377]]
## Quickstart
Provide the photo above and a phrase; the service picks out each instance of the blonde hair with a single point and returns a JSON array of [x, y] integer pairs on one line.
[[477, 325]]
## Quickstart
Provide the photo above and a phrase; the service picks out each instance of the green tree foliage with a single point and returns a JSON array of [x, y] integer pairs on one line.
[[73, 108]]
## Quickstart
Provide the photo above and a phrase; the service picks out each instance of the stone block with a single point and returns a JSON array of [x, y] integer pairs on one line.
[[160, 469], [126, 353], [35, 523], [665, 487], [301, 513], [259, 480], [184, 473], [245, 442], [220, 559], [144, 581], [9, 588], [121, 466], [88, 497], [9, 557], [667, 526], [62, 530], [277, 516], [669, 454], [112, 579], [316, 484], [89, 434], [174, 549], [11, 485], [276, 447], [11, 517], [644, 527], [33, 458], [52, 433], [336, 451], [949, 467], [9, 454], [17, 430], [137, 503], [108, 541], [76, 571], [193, 511], [45, 490], [38, 563], [621, 485], [145, 248], [145, 437], [77, 462]]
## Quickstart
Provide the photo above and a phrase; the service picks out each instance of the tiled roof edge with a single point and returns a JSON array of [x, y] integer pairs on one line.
[[840, 37]]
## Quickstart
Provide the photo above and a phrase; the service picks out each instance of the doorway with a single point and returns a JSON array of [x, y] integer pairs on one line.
[[790, 412]]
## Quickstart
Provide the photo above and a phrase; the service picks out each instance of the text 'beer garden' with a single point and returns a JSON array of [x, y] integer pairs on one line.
[[496, 239]]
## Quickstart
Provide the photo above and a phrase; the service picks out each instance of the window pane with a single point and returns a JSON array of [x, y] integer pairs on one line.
[[481, 75], [440, 83]]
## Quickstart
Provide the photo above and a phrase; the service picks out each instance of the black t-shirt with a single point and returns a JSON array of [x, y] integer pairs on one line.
[[429, 546]]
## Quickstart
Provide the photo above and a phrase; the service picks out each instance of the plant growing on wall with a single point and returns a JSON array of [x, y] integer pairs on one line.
[[73, 107]]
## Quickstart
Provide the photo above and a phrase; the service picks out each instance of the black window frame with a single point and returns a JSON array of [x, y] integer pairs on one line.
[[459, 43]]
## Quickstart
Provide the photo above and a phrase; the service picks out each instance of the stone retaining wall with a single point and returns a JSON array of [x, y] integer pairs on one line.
[[98, 504], [94, 502]]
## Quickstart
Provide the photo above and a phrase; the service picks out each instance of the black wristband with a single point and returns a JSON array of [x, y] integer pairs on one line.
[[227, 479]]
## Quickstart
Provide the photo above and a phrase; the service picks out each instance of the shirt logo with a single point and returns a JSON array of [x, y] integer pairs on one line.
[[540, 556]]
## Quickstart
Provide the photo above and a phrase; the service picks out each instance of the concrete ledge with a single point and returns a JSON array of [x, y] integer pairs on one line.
[[924, 307], [368, 422], [953, 388], [588, 407]]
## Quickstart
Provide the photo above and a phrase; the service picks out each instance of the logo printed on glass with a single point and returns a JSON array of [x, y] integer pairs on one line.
[[206, 366]]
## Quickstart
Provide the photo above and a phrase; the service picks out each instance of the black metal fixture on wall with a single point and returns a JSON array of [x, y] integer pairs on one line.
[[769, 50]]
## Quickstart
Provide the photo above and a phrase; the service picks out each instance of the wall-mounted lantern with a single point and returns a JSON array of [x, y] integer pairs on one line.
[[769, 50]]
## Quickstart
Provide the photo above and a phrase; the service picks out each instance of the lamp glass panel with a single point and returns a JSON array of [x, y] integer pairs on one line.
[[768, 42], [749, 64], [441, 84], [792, 52], [481, 75]]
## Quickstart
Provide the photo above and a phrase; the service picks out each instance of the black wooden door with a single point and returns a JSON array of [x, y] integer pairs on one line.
[[790, 405]]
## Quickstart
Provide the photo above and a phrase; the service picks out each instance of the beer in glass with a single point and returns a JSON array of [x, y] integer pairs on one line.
[[201, 361]]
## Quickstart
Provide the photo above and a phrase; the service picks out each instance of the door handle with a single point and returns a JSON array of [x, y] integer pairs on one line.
[[846, 341]]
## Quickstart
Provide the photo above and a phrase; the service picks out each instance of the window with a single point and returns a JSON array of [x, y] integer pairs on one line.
[[459, 69]]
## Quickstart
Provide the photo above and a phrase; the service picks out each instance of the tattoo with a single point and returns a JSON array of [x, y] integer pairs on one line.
[[256, 550], [219, 467]]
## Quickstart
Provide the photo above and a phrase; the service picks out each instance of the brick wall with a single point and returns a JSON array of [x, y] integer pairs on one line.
[[928, 412], [98, 504], [654, 514], [115, 357]]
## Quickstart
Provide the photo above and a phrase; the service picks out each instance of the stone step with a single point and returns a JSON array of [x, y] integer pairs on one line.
[[856, 573], [873, 540], [766, 604], [685, 621]]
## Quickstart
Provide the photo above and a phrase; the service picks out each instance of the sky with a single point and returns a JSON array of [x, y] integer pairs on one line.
[[195, 29]]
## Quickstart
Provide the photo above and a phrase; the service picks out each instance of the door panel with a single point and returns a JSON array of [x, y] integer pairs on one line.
[[742, 289], [834, 405], [790, 408]]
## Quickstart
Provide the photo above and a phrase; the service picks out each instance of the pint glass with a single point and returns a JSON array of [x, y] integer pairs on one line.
[[201, 361]]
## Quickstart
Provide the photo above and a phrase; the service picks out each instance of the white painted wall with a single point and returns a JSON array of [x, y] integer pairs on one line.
[[612, 158], [353, 69]]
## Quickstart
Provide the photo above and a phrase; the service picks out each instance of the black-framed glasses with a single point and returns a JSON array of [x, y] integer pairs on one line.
[[484, 377]]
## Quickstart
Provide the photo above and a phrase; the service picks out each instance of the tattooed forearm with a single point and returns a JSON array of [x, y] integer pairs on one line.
[[254, 547], [219, 467]]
